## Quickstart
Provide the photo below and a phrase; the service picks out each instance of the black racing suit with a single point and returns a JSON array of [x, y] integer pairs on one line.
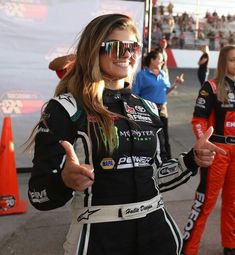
[[124, 177]]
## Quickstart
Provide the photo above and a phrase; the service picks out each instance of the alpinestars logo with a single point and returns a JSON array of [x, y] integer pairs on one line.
[[66, 97], [86, 215]]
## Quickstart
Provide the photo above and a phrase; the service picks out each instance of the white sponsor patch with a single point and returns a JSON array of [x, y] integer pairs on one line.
[[168, 169], [134, 161], [39, 197], [196, 209], [201, 100], [138, 117]]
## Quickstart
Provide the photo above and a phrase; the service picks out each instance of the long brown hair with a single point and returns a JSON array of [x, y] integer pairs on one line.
[[221, 72], [85, 80]]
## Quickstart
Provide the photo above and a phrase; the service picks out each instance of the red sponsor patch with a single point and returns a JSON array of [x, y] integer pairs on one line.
[[25, 10]]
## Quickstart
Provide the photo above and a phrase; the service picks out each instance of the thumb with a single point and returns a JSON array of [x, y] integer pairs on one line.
[[204, 140], [70, 153], [207, 134]]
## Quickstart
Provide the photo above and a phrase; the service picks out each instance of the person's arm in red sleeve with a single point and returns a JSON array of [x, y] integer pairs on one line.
[[203, 116], [200, 125]]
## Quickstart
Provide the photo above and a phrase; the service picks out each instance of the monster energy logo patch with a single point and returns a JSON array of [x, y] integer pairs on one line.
[[137, 135], [104, 138]]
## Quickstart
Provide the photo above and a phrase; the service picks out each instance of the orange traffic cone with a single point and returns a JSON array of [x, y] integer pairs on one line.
[[9, 193]]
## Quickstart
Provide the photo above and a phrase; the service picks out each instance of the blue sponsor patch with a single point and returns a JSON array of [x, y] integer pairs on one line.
[[107, 163]]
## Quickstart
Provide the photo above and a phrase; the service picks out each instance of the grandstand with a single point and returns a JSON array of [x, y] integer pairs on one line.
[[189, 28]]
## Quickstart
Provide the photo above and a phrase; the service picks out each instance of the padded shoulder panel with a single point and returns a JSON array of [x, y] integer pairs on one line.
[[151, 106], [213, 85], [69, 103]]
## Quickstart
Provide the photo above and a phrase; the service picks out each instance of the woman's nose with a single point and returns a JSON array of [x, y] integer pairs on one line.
[[127, 53]]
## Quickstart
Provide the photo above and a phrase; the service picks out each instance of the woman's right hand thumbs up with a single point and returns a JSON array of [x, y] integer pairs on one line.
[[75, 176]]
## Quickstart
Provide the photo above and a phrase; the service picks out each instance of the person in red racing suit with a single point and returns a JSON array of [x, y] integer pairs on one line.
[[117, 206], [215, 105]]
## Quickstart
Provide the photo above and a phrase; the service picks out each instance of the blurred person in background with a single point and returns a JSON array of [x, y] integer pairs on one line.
[[152, 83], [203, 70], [156, 36], [181, 39], [215, 106], [162, 46]]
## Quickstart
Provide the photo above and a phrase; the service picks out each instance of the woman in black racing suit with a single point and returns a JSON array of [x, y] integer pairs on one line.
[[117, 205]]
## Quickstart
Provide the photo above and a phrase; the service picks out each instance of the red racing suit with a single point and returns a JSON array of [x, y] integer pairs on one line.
[[221, 174]]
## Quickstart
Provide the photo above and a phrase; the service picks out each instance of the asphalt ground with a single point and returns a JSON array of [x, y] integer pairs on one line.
[[43, 233]]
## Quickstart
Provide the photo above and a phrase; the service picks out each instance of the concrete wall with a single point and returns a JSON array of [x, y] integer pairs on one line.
[[189, 58]]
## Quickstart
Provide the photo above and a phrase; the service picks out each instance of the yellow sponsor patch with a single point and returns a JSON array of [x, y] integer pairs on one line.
[[204, 93], [107, 163]]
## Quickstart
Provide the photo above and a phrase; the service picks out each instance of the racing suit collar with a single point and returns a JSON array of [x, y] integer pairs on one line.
[[110, 95], [230, 80]]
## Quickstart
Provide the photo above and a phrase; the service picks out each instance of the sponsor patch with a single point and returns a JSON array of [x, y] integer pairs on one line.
[[227, 105], [129, 109], [140, 108], [196, 209], [231, 96], [7, 202], [230, 124], [134, 161], [39, 197], [168, 169], [137, 135], [140, 118], [107, 163], [137, 113], [201, 101], [204, 93]]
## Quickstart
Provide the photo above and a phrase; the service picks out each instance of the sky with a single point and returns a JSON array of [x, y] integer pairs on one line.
[[220, 6]]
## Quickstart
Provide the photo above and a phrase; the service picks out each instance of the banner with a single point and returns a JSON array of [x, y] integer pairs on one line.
[[33, 32]]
